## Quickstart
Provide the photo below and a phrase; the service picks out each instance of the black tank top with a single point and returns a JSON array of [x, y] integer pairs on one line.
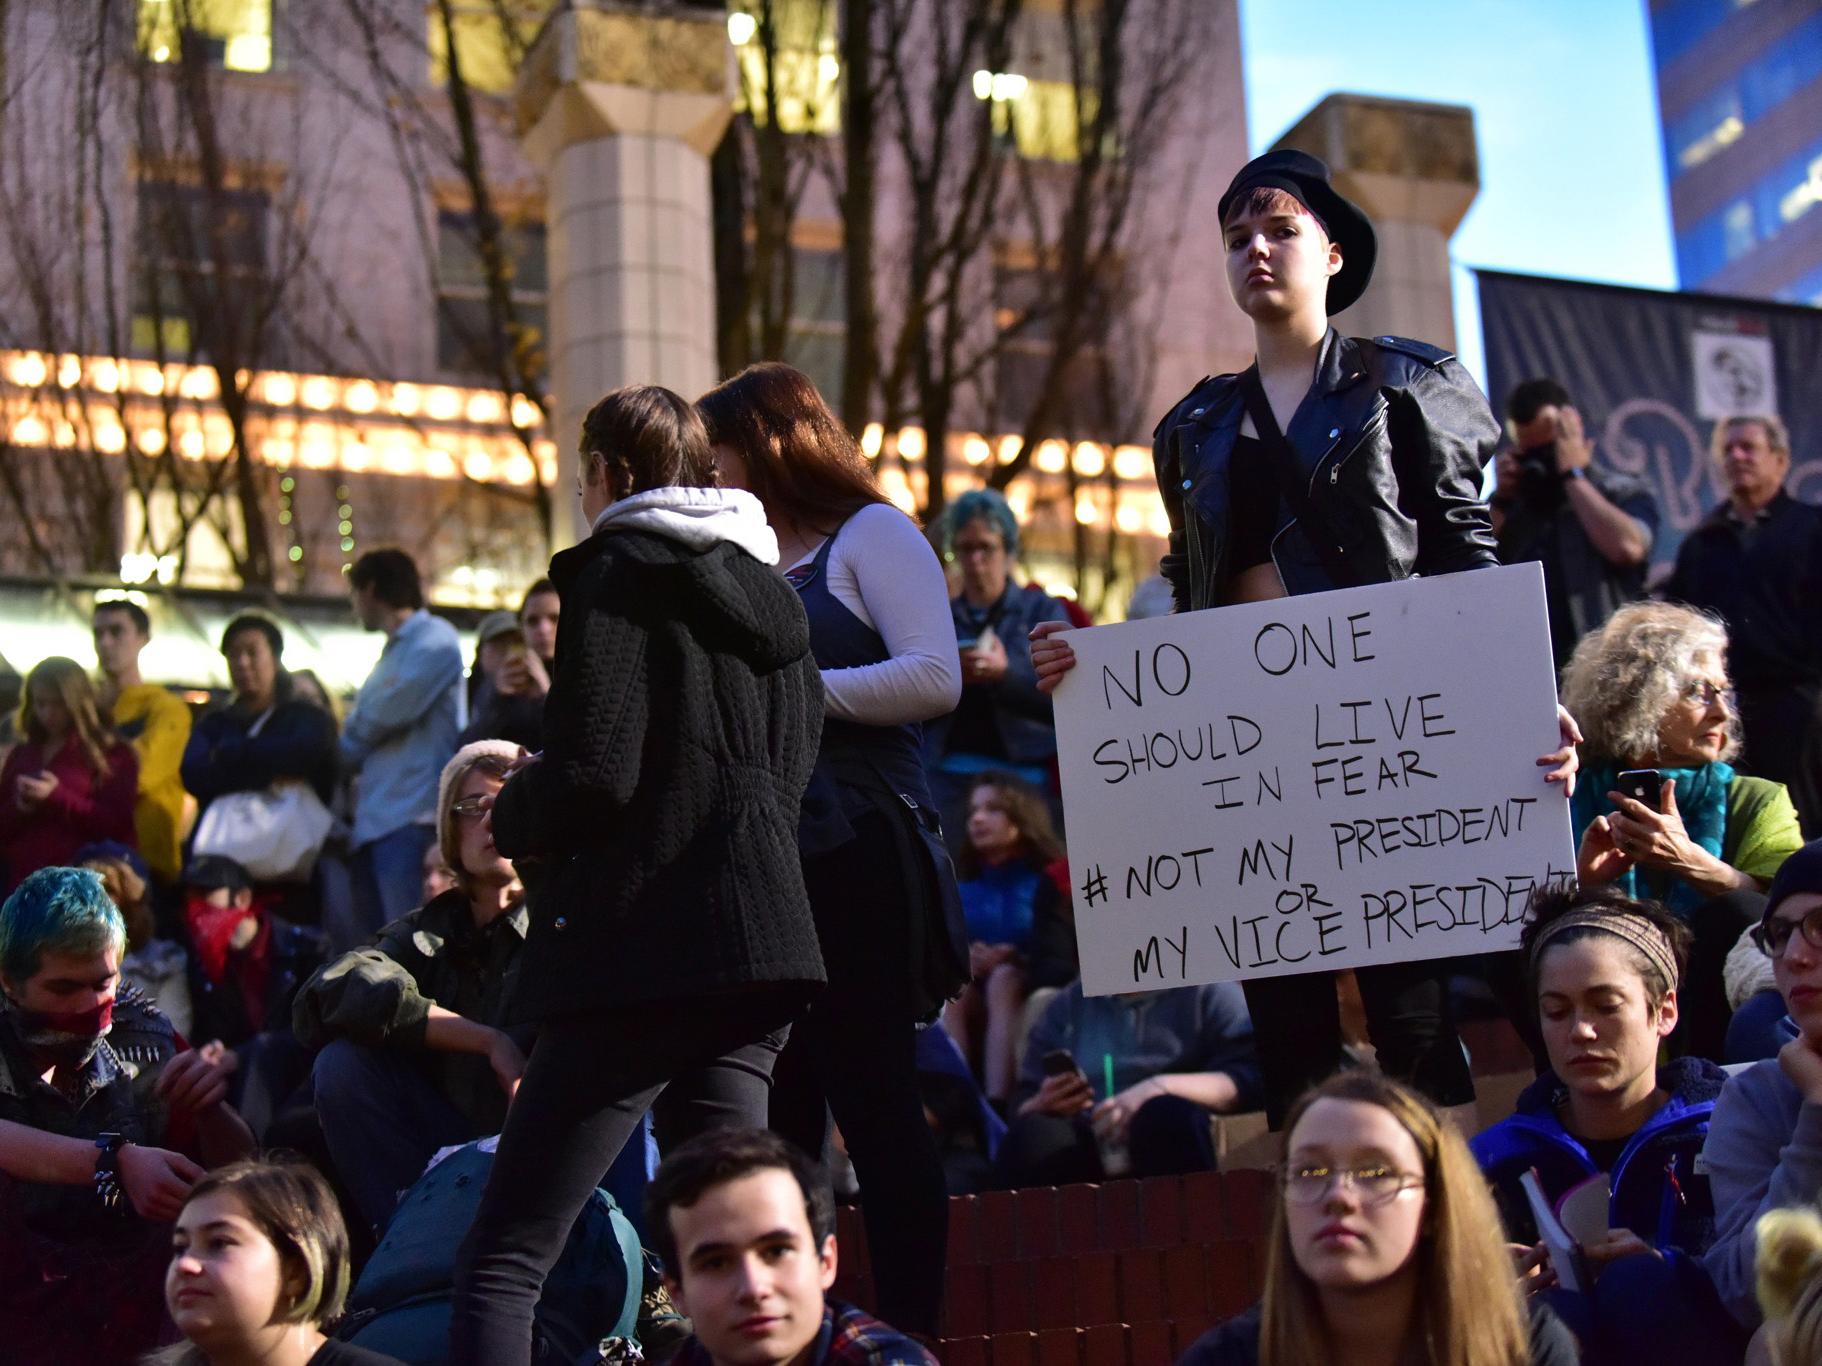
[[1252, 505]]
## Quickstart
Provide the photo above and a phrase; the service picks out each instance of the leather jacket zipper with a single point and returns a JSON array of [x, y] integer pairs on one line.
[[1192, 533], [1374, 424]]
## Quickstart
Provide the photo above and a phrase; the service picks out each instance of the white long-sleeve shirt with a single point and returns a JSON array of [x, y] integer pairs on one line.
[[883, 570]]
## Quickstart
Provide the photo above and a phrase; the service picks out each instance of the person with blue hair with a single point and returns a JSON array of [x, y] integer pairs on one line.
[[107, 1118], [1004, 721]]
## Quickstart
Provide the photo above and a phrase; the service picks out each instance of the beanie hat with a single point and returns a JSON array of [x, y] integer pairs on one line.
[[1802, 872], [453, 773]]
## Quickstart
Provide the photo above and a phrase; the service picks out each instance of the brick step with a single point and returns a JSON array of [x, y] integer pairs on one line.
[[1071, 1258], [1153, 1343]]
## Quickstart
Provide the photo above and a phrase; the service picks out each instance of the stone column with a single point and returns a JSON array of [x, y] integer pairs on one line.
[[1415, 170], [620, 106]]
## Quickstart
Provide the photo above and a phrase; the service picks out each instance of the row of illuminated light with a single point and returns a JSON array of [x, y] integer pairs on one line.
[[1130, 511], [305, 423], [276, 388], [1091, 459], [1806, 195], [312, 444]]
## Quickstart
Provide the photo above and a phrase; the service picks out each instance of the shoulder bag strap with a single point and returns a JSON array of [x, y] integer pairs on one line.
[[1290, 480]]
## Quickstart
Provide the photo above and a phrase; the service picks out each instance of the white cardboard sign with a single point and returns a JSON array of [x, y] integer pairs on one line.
[[1325, 781]]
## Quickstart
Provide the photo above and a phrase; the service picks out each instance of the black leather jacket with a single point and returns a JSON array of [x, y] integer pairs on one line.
[[1392, 438]]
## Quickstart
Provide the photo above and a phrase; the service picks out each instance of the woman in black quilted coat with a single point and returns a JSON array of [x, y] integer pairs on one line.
[[671, 940]]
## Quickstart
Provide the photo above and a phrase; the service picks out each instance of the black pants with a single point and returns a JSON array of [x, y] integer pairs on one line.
[[855, 1054], [697, 1065], [1297, 1027], [1169, 1136]]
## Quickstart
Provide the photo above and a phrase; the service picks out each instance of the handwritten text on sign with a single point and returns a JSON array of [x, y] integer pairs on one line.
[[1325, 781]]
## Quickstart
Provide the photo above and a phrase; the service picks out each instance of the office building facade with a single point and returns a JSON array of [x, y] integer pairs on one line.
[[1740, 99]]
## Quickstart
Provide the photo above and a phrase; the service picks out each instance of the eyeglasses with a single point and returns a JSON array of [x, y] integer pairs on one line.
[[470, 807], [1707, 694], [1772, 934], [1373, 1186], [964, 550]]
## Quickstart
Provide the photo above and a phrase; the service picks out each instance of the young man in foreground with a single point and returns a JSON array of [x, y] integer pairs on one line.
[[745, 1224]]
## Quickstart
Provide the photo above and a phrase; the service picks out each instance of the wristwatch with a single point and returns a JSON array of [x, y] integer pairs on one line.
[[1576, 473], [108, 1189]]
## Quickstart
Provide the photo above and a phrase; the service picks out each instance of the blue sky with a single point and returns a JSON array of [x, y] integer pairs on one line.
[[1565, 108]]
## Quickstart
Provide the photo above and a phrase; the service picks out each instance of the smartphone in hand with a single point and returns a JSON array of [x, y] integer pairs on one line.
[[1643, 785]]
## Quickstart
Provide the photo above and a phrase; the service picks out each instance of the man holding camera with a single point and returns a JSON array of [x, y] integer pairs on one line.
[[1590, 528]]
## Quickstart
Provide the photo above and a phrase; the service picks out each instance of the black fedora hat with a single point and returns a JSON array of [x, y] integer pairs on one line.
[[1306, 179]]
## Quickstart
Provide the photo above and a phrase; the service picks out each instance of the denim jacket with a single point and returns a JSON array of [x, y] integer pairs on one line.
[[406, 719]]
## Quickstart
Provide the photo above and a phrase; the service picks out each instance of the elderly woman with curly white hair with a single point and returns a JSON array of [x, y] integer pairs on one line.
[[1660, 811]]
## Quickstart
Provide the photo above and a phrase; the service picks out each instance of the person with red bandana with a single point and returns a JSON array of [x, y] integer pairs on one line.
[[249, 963], [107, 1118]]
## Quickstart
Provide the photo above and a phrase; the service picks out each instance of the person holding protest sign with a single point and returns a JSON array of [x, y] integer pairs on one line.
[[1384, 1247], [1603, 975], [1332, 462], [1662, 813]]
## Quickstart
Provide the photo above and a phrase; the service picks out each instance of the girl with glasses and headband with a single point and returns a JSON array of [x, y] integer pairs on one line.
[[1603, 972], [1385, 1247], [1682, 826], [1764, 1148]]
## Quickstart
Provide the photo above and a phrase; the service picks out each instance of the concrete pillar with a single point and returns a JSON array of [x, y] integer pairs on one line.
[[1415, 170], [620, 106]]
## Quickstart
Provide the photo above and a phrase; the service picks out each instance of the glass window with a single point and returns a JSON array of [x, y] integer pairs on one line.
[[1738, 231], [1778, 200], [235, 35], [201, 263], [822, 355], [1723, 114], [1786, 68], [491, 38], [469, 341], [817, 338], [1715, 123], [1806, 290], [1794, 190], [805, 67], [1038, 119], [1679, 26], [1025, 305]]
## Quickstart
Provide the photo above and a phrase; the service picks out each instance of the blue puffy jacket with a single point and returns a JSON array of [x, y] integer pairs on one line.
[[1660, 1189]]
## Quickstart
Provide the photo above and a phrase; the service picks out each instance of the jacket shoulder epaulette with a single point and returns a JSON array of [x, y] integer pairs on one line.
[[1431, 356], [1177, 407]]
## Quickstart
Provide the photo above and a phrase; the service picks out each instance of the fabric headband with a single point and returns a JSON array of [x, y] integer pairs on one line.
[[1637, 931]]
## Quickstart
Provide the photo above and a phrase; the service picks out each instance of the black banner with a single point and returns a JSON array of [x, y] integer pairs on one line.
[[1652, 372]]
